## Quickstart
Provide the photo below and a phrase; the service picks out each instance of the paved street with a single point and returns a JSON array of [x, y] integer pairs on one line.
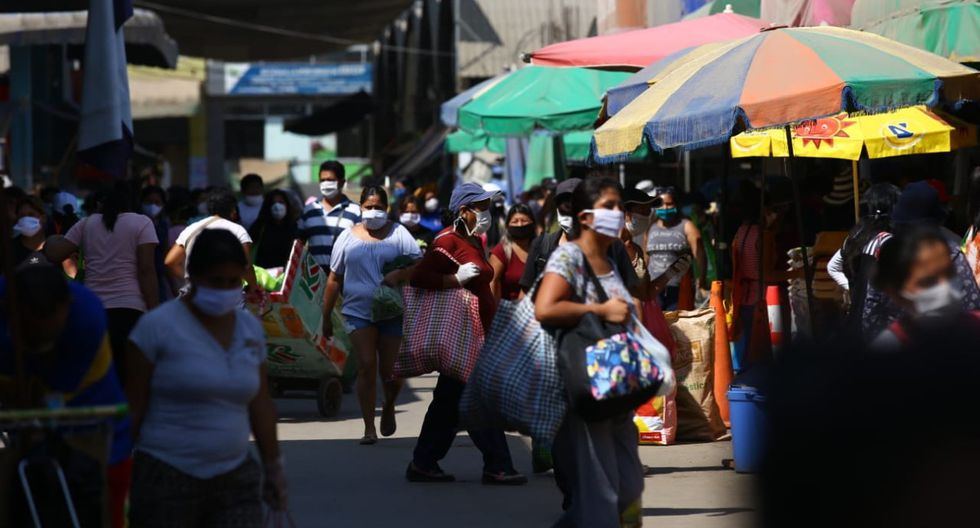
[[336, 483]]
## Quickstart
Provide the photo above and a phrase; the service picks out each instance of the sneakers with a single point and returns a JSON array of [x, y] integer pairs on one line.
[[414, 474], [504, 478]]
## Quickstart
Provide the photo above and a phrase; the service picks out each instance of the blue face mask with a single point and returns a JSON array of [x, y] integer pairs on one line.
[[667, 214], [400, 192]]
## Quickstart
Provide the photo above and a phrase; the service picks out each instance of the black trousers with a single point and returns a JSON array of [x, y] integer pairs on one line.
[[439, 431], [121, 322]]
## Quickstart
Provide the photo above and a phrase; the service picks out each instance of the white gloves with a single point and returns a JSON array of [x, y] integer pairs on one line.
[[466, 273]]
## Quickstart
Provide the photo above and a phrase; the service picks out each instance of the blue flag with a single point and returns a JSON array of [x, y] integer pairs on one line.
[[105, 131]]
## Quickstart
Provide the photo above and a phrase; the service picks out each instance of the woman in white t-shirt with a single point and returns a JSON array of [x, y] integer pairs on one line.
[[197, 390], [116, 248]]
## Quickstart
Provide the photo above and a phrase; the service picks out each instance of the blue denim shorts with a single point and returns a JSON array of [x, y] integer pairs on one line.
[[388, 327]]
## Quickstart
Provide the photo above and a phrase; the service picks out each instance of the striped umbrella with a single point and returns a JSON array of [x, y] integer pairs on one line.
[[775, 78]]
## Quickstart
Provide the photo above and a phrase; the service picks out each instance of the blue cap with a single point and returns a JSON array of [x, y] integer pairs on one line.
[[918, 203], [468, 193]]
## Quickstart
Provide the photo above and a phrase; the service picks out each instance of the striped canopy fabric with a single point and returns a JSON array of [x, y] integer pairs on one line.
[[703, 96]]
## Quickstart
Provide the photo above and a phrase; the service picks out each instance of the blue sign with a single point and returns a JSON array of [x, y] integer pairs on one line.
[[293, 78]]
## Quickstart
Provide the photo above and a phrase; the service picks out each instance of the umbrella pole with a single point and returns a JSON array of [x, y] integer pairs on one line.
[[857, 191], [807, 268], [722, 241], [558, 156]]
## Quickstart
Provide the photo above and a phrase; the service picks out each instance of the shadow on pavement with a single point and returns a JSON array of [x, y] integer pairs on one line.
[[710, 512]]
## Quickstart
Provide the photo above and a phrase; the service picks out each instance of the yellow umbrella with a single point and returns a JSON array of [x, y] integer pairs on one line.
[[912, 130]]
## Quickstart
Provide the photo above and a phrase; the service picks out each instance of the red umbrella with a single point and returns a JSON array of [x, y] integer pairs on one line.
[[638, 49]]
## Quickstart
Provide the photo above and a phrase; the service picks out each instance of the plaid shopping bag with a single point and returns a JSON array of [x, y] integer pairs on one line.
[[442, 332], [516, 385]]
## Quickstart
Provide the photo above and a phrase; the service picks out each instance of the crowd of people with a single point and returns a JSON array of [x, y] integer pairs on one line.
[[98, 290]]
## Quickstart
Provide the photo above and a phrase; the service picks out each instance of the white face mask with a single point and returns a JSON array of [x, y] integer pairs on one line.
[[278, 211], [152, 210], [329, 189], [409, 219], [483, 219], [607, 222], [566, 223], [27, 226], [935, 298], [216, 302], [253, 200], [638, 224], [432, 204], [374, 218]]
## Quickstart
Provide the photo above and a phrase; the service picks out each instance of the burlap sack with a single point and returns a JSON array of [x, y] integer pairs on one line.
[[698, 417]]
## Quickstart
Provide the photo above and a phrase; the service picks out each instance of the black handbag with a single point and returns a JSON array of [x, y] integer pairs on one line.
[[572, 344]]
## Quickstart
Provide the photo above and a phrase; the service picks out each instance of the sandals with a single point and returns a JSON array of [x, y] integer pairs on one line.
[[504, 478], [414, 474], [388, 424]]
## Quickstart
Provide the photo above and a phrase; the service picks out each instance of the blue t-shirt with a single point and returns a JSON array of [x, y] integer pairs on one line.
[[360, 263], [82, 370]]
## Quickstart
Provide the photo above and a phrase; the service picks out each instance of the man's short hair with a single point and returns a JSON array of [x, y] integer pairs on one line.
[[335, 167], [223, 203], [251, 179]]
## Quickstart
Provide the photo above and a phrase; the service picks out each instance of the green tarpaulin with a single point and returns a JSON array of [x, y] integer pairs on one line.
[[950, 28], [462, 141], [537, 97], [750, 8]]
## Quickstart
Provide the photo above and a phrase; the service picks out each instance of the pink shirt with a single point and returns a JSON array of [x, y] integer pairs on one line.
[[110, 257]]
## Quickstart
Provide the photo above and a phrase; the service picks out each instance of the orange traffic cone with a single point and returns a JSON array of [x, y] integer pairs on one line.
[[775, 311], [723, 356]]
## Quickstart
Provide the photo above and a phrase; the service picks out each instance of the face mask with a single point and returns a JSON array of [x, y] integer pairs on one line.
[[278, 211], [202, 208], [253, 200], [400, 192], [329, 189], [667, 214], [566, 223], [934, 299], [409, 219], [638, 224], [216, 302], [607, 222], [432, 204], [523, 232], [483, 219], [27, 226], [374, 218], [152, 210]]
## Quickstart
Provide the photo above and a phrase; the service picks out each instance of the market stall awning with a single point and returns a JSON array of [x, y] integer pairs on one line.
[[906, 131], [159, 93], [449, 111], [147, 42], [340, 115], [535, 97], [642, 47], [251, 30], [950, 28]]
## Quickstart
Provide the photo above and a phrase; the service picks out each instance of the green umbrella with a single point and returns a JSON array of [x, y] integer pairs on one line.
[[950, 28], [541, 159], [463, 141], [537, 97]]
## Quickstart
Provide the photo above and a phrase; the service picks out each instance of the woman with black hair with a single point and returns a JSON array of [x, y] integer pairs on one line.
[[274, 231], [509, 256], [599, 460], [117, 248], [197, 390], [359, 257], [851, 266], [411, 217]]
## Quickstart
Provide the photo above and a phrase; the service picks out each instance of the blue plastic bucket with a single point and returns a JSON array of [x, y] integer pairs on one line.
[[749, 427]]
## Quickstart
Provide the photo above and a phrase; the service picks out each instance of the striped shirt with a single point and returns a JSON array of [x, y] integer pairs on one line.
[[320, 227]]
